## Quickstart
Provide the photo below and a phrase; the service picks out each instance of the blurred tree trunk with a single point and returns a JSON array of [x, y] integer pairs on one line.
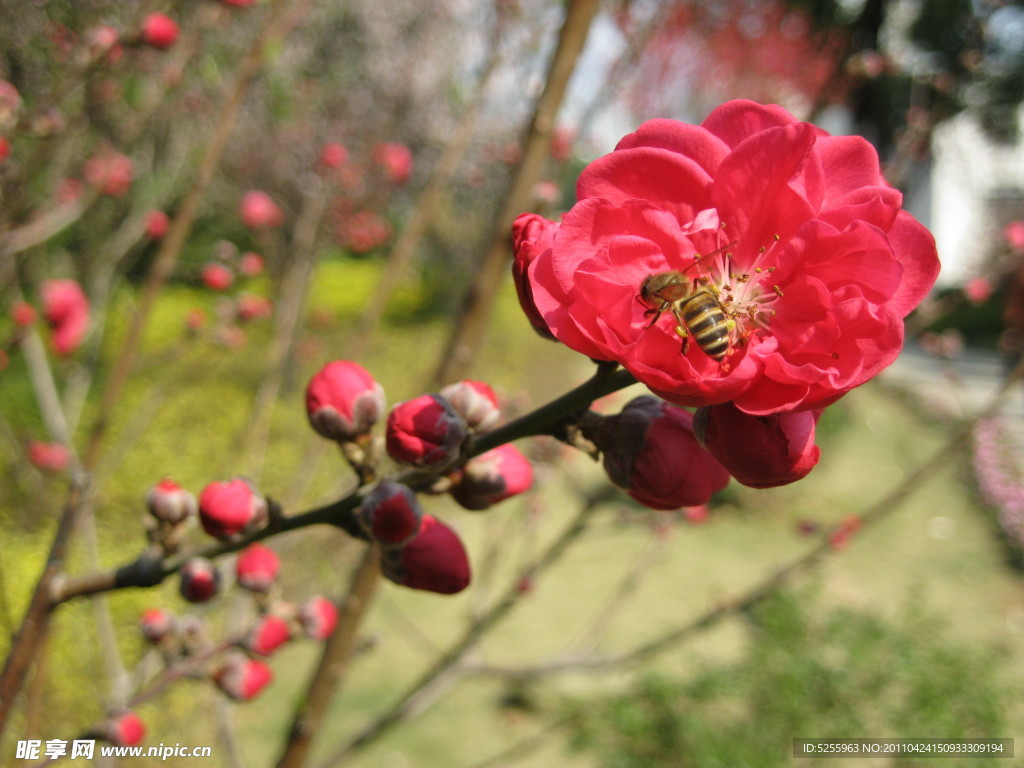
[[471, 321]]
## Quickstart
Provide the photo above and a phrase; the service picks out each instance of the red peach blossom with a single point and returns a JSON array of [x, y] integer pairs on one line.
[[49, 457], [5, 148], [805, 245], [363, 231], [259, 211], [125, 729], [242, 679], [157, 223], [395, 160], [257, 567], [110, 173], [199, 580], [23, 314], [231, 508], [268, 634], [978, 290], [532, 236], [217, 276], [250, 264], [159, 30], [318, 617], [333, 155], [759, 451], [157, 624], [66, 311], [492, 477], [250, 307], [1014, 235]]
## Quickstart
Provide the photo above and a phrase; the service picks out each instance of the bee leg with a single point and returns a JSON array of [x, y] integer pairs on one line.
[[657, 314]]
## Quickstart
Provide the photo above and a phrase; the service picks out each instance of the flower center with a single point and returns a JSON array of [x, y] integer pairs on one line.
[[748, 294]]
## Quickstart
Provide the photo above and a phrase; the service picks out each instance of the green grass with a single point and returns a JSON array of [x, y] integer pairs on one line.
[[182, 415]]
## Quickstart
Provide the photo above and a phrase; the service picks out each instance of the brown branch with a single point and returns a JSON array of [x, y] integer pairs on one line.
[[778, 578], [334, 662], [445, 665], [469, 325]]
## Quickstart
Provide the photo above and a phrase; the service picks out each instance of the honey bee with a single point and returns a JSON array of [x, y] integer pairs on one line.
[[698, 312]]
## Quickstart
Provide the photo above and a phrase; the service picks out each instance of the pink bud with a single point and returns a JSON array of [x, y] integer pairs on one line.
[[243, 678], [390, 514], [259, 211], [110, 173], [159, 31], [5, 148], [650, 450], [250, 264], [333, 155], [217, 277], [200, 580], [157, 624], [250, 307], [475, 401], [434, 561], [318, 617], [395, 160], [268, 634], [66, 311], [257, 567], [759, 451], [343, 402], [125, 729], [978, 290], [10, 103], [532, 235], [169, 502], [562, 139], [49, 457], [492, 477], [23, 314], [1014, 235], [425, 432], [363, 231], [157, 223], [231, 508]]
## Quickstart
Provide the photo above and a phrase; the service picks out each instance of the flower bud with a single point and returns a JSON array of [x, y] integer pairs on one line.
[[48, 457], [257, 567], [268, 634], [434, 561], [124, 730], [759, 451], [492, 477], [650, 451], [243, 678], [159, 31], [110, 173], [333, 155], [250, 307], [169, 502], [395, 160], [216, 276], [66, 311], [23, 314], [343, 401], [390, 514], [200, 580], [532, 235], [475, 401], [259, 211], [231, 508], [425, 432], [318, 617], [250, 264], [157, 624], [157, 223]]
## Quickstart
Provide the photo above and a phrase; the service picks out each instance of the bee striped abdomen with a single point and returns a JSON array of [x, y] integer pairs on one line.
[[707, 323]]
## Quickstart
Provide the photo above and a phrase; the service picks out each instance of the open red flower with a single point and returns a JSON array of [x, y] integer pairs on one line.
[[795, 233]]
